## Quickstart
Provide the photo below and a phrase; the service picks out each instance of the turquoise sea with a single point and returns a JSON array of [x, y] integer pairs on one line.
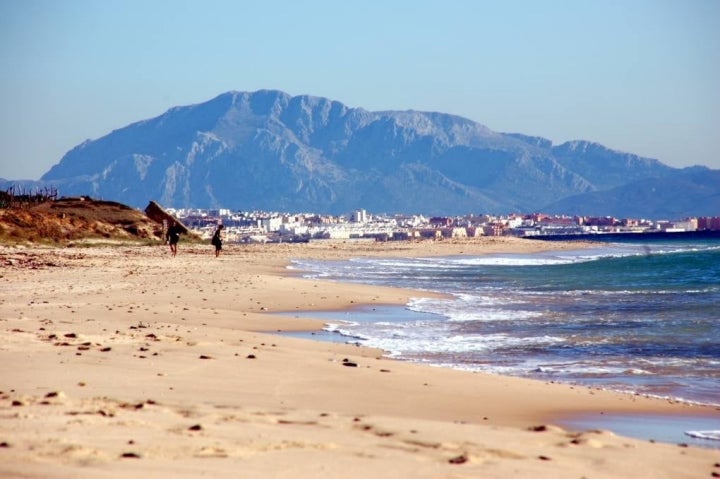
[[640, 316]]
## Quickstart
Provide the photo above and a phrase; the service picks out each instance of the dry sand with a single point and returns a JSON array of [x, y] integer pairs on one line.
[[124, 362]]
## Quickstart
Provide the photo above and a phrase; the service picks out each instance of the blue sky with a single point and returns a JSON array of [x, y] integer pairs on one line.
[[639, 76]]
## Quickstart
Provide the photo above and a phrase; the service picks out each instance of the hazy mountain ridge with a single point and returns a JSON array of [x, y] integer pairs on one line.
[[693, 191], [269, 150], [608, 168]]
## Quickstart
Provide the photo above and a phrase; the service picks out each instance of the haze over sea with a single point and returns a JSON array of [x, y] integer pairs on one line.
[[641, 316]]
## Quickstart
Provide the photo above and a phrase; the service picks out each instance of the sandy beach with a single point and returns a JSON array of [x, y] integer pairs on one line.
[[121, 361]]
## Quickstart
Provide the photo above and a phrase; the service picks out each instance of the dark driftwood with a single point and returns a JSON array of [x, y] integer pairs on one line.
[[156, 213]]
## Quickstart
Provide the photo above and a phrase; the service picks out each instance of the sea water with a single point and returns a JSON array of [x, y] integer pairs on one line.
[[640, 317]]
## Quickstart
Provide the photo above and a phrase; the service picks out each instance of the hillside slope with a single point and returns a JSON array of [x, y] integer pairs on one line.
[[74, 219]]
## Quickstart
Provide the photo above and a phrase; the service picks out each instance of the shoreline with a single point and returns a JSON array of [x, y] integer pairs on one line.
[[406, 313], [650, 425], [123, 361]]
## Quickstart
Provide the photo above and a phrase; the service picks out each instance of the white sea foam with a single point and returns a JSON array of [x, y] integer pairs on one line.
[[416, 263], [710, 435], [469, 307], [349, 269], [338, 327], [407, 342], [403, 345], [568, 369], [514, 261], [588, 369]]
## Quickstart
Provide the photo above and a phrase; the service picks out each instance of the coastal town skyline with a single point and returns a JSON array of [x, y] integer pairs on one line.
[[261, 226]]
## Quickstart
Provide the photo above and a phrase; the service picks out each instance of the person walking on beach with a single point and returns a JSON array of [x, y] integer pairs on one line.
[[172, 237], [217, 240]]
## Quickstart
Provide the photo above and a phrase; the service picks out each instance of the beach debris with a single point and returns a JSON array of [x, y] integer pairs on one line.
[[546, 428], [715, 473], [204, 356], [138, 405], [544, 458], [348, 363], [461, 459], [130, 455], [251, 356], [52, 395], [4, 444], [195, 427], [210, 451]]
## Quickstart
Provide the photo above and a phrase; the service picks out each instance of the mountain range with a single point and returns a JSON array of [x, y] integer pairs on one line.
[[267, 150]]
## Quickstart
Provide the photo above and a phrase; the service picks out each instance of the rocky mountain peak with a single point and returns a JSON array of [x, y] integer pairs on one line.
[[270, 150]]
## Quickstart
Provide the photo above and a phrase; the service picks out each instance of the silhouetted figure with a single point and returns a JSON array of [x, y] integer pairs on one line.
[[217, 240], [172, 237]]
